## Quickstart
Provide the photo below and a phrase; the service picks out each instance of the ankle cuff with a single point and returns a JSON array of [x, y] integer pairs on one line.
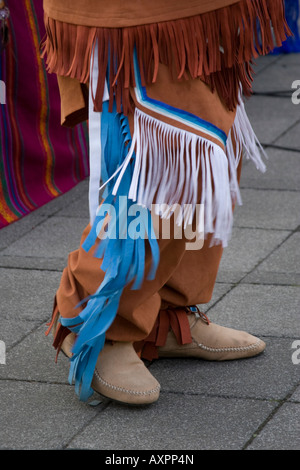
[[171, 319]]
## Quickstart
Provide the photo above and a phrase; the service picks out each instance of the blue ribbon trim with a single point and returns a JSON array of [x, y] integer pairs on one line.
[[123, 258], [180, 113]]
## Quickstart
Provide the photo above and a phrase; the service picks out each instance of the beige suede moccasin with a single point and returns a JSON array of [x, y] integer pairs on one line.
[[119, 373], [212, 342], [122, 376]]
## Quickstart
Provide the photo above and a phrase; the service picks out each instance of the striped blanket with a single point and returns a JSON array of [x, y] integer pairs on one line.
[[39, 159]]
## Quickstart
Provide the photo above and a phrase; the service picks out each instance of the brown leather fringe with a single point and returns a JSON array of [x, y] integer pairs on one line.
[[174, 319], [217, 47], [54, 317], [59, 331]]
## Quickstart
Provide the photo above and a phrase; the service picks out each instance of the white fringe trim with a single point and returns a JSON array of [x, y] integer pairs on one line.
[[242, 142], [167, 168], [169, 162]]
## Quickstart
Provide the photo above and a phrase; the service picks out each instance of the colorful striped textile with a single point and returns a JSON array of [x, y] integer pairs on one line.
[[39, 159]]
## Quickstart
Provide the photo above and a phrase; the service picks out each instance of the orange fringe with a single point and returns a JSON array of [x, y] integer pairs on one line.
[[217, 47]]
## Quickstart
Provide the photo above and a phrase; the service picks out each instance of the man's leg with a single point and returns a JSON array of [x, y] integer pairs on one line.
[[183, 278]]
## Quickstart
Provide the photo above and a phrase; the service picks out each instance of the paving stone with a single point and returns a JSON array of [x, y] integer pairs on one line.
[[56, 237], [32, 262], [282, 432], [219, 291], [277, 76], [289, 59], [16, 230], [276, 115], [259, 276], [78, 208], [283, 172], [247, 248], [291, 139], [28, 298], [263, 310], [33, 359], [296, 395], [217, 423], [262, 63], [281, 267], [12, 331], [269, 376], [268, 209], [286, 258], [40, 416], [233, 277]]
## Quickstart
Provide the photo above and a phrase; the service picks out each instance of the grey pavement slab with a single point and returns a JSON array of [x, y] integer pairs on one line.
[[291, 139], [275, 117], [282, 432], [260, 276], [278, 75], [18, 229], [40, 416], [263, 62], [13, 331], [78, 208], [28, 302], [33, 359], [220, 289], [268, 209], [282, 266], [217, 423], [296, 395], [269, 376], [20, 287], [283, 172], [286, 258], [263, 310], [32, 262], [55, 237], [246, 249]]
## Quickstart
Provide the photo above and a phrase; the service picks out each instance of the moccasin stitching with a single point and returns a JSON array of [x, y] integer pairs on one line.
[[121, 389], [229, 349]]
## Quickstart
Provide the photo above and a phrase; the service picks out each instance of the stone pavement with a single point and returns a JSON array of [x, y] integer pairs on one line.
[[252, 404]]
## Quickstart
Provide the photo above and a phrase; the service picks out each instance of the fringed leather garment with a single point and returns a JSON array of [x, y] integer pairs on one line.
[[146, 150]]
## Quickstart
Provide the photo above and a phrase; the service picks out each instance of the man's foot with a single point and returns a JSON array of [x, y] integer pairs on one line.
[[212, 342], [122, 376], [119, 373]]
